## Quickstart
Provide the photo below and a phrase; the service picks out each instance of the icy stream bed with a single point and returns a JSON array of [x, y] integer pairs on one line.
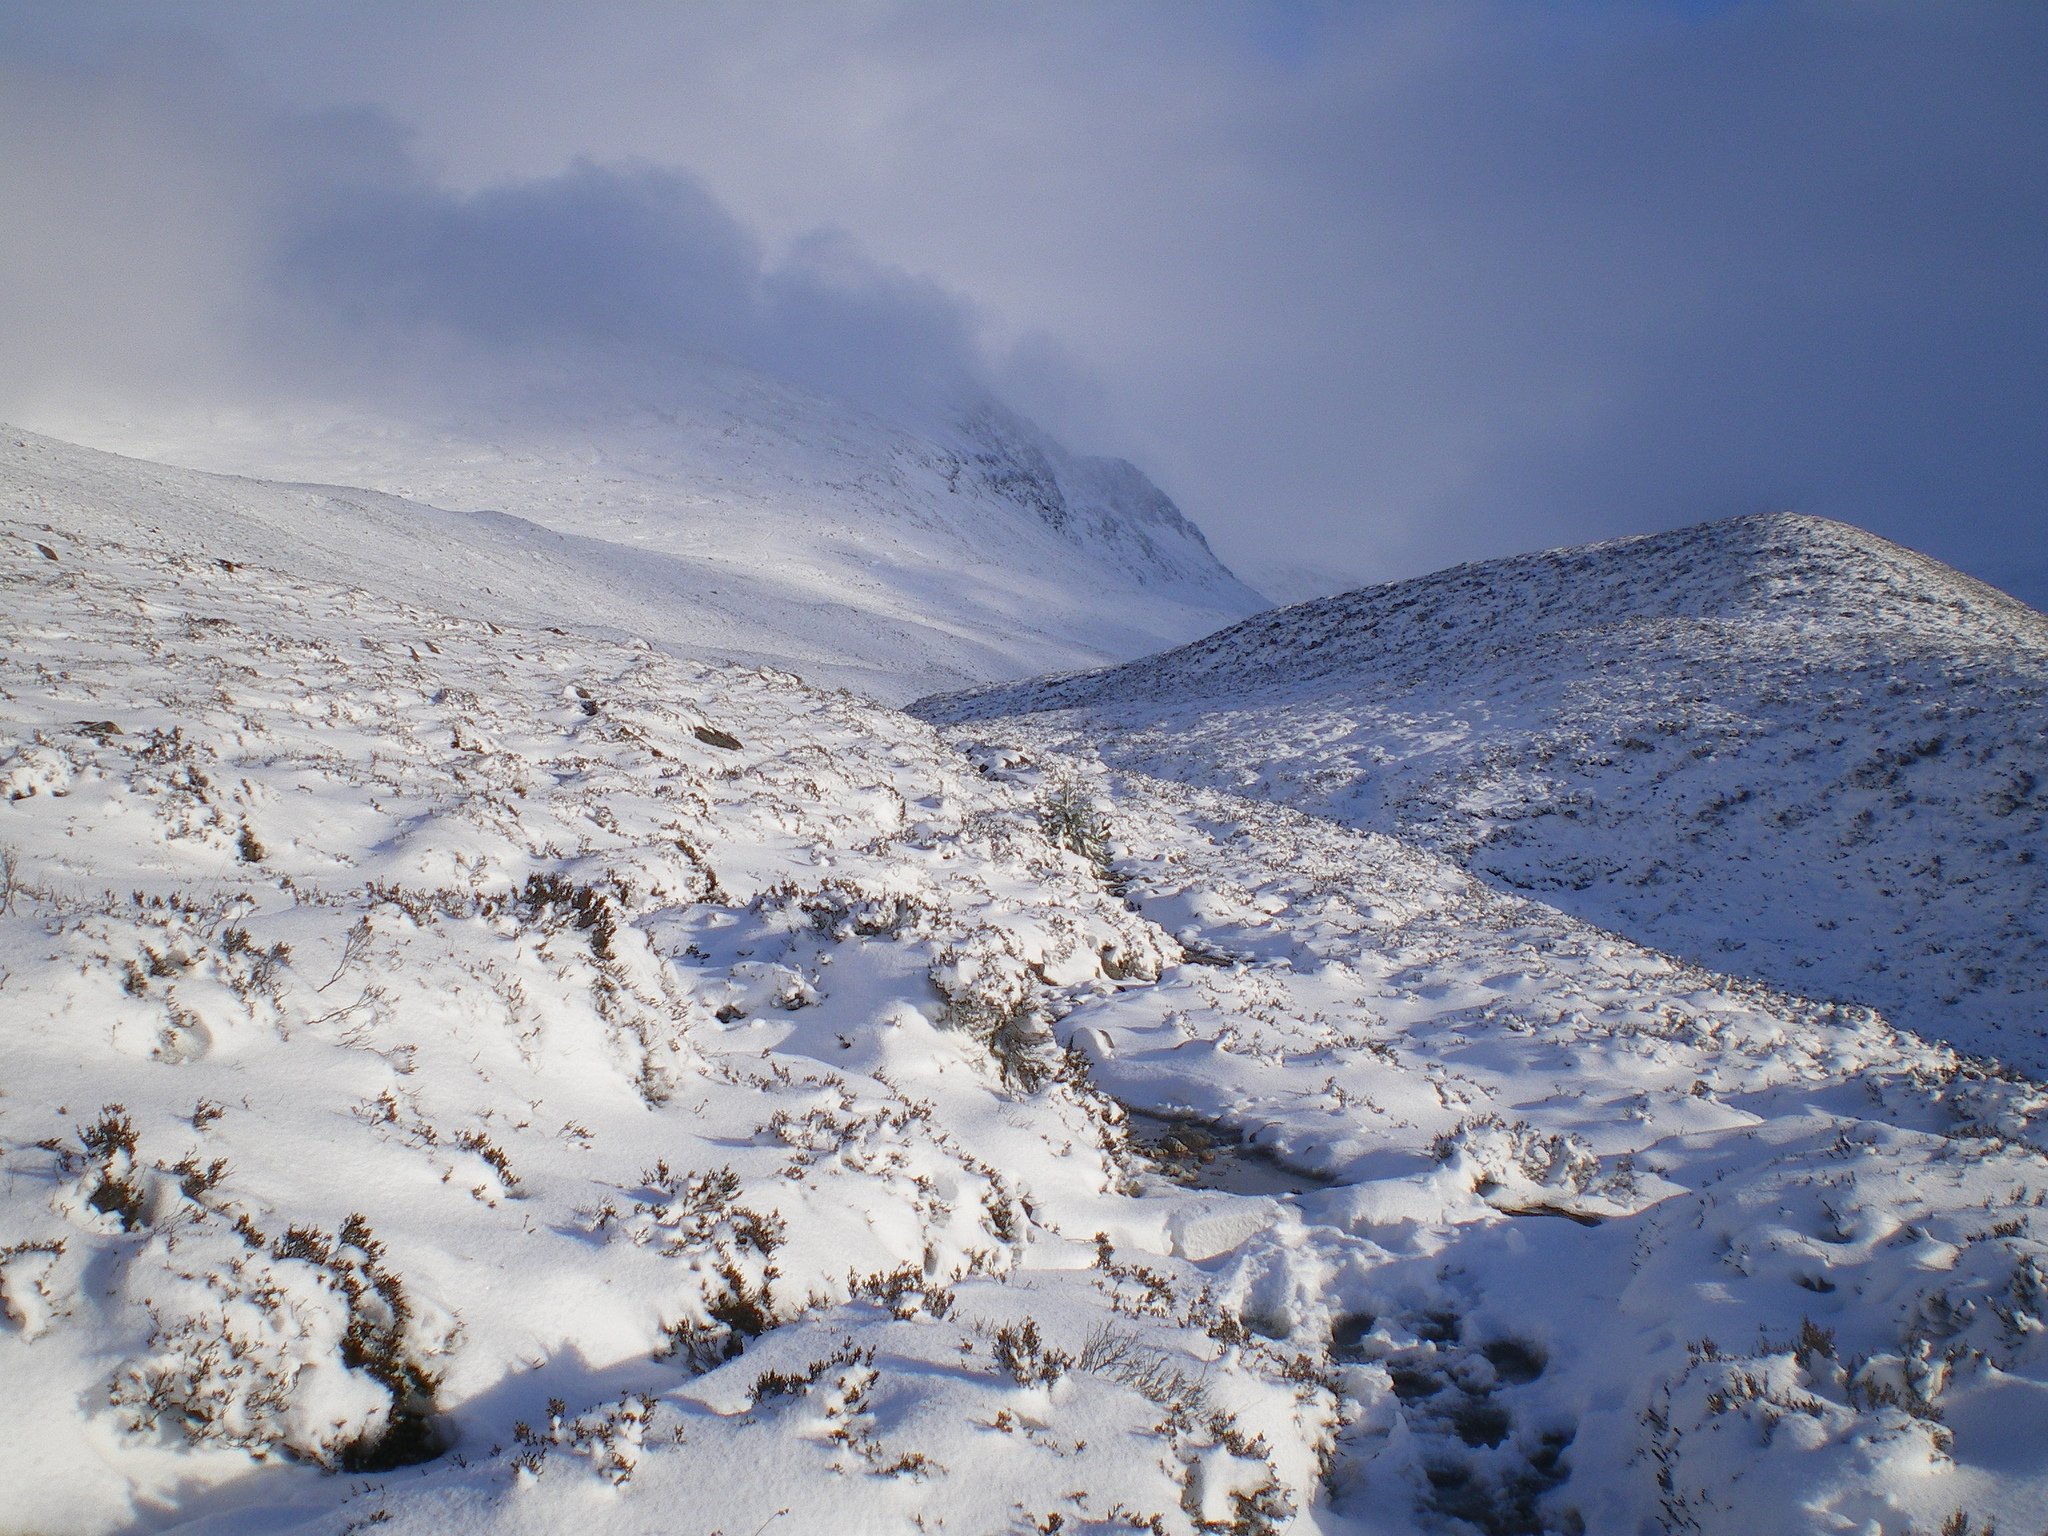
[[1206, 1154]]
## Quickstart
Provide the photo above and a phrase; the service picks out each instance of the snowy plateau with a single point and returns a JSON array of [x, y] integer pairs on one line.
[[507, 1027]]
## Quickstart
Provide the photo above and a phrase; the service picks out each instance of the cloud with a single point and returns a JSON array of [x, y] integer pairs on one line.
[[172, 232], [126, 242], [1370, 289]]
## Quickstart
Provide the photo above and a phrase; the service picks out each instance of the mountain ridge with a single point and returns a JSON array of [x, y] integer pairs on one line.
[[1775, 744], [1777, 561], [745, 517]]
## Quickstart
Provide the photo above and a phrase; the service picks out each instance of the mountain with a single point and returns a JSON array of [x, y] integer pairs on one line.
[[722, 511], [469, 1075], [1776, 745]]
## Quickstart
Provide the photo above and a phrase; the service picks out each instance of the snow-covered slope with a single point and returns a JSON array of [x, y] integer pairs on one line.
[[633, 1085], [741, 516], [1778, 745]]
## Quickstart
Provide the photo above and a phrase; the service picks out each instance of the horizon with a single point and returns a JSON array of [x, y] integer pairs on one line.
[[1368, 292]]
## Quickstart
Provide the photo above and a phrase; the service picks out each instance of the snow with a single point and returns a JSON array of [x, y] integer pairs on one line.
[[1775, 745], [468, 1075], [726, 513]]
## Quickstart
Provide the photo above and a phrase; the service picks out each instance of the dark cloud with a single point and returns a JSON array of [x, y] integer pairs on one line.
[[605, 261], [1370, 289], [175, 233], [1653, 270]]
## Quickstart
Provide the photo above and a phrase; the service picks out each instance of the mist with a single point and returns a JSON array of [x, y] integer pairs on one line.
[[1369, 290], [179, 238]]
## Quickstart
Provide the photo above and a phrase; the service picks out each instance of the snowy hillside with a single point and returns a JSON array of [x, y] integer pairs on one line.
[[742, 517], [468, 1077], [1776, 745]]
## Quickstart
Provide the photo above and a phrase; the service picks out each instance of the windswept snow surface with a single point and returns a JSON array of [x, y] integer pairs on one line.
[[742, 517], [1776, 745], [637, 1087]]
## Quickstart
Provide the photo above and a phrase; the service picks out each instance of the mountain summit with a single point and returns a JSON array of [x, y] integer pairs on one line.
[[1776, 744]]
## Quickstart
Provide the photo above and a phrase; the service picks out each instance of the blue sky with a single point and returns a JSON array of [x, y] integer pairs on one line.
[[1369, 288]]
